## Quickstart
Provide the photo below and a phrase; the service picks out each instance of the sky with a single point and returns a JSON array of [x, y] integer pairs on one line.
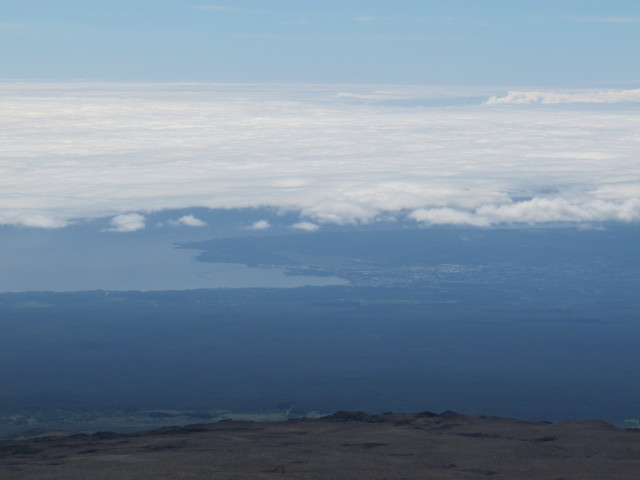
[[438, 113], [568, 43]]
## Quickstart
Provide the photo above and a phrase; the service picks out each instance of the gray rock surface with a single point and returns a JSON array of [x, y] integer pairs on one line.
[[345, 445]]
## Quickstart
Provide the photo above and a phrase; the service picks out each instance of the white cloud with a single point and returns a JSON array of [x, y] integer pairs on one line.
[[191, 221], [184, 221], [364, 19], [552, 97], [129, 222], [359, 96], [34, 220], [260, 225], [306, 226], [447, 216], [76, 151], [402, 92]]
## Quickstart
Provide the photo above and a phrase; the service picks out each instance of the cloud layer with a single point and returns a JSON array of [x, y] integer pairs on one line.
[[336, 154]]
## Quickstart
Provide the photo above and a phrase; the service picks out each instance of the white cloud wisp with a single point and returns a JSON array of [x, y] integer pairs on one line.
[[305, 226], [550, 97]]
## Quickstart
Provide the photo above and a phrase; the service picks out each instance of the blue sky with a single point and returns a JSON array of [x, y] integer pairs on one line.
[[465, 42]]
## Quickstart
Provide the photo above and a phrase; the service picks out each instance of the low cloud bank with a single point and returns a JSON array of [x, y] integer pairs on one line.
[[534, 211], [79, 151]]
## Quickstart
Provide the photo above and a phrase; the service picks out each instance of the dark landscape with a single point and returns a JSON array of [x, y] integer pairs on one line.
[[238, 383], [229, 228], [345, 445]]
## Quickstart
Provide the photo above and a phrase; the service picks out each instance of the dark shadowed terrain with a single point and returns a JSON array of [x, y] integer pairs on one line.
[[341, 446]]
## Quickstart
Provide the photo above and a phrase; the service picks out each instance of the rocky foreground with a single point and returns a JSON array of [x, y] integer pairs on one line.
[[341, 446]]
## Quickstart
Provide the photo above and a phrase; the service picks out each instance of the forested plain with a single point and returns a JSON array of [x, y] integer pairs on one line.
[[545, 333]]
